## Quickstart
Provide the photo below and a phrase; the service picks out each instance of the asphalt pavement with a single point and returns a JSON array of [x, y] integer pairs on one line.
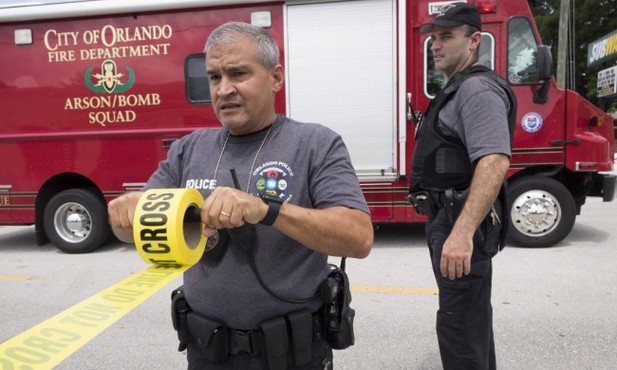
[[554, 308]]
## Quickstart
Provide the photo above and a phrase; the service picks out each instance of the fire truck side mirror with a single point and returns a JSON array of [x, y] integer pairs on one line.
[[544, 62]]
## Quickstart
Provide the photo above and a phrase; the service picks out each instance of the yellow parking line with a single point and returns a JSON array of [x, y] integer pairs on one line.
[[393, 290], [15, 277]]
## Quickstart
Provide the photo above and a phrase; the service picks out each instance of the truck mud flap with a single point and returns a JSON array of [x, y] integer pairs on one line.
[[603, 186]]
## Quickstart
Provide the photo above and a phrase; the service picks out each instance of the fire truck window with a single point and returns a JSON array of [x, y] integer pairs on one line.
[[522, 50], [435, 80], [197, 89]]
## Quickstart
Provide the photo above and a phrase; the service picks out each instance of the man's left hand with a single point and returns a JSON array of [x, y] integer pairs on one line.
[[456, 256]]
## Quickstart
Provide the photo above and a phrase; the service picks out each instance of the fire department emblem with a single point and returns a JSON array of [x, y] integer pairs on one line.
[[109, 80], [532, 122]]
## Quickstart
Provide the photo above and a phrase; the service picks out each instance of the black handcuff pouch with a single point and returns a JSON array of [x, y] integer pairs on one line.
[[211, 336]]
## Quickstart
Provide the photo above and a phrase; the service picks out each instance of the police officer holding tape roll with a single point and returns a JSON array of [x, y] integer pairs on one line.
[[463, 146], [286, 196]]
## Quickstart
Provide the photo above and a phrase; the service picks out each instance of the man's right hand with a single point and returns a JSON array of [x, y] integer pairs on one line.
[[121, 211]]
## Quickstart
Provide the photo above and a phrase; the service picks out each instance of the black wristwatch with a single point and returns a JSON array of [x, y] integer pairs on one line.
[[274, 205]]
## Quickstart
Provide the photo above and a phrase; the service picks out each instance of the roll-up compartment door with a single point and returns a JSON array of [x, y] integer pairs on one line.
[[341, 72]]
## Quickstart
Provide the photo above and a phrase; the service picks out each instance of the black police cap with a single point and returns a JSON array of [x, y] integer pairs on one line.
[[454, 15]]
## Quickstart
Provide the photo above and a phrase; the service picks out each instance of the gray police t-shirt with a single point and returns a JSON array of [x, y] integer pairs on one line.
[[305, 164], [482, 105]]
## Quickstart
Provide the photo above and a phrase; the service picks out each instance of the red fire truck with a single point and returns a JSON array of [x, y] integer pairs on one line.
[[92, 93]]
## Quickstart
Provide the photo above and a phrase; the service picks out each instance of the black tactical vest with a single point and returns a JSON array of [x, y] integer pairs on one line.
[[441, 162]]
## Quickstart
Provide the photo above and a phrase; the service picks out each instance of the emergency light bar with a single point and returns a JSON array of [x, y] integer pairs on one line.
[[486, 6]]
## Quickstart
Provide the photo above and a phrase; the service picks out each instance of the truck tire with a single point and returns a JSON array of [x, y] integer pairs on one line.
[[542, 212], [75, 220]]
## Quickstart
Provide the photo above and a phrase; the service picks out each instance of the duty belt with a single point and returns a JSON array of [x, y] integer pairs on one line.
[[250, 341]]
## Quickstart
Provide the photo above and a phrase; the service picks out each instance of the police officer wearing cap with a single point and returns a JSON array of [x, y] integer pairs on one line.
[[463, 148]]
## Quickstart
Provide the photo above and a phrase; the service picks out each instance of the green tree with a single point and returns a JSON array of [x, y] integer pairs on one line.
[[592, 20]]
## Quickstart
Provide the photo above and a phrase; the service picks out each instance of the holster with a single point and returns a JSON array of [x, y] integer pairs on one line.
[[453, 202], [422, 203], [179, 311]]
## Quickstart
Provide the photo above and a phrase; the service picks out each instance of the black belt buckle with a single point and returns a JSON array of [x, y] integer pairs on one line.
[[243, 342]]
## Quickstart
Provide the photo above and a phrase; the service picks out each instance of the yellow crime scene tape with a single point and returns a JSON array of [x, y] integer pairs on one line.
[[162, 239]]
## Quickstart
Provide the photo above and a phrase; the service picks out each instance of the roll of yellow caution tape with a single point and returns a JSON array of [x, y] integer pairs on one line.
[[163, 230]]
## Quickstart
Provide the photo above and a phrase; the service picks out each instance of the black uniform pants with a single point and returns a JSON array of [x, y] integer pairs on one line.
[[465, 315], [321, 359]]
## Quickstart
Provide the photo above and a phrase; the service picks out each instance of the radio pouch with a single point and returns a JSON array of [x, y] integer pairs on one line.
[[301, 328], [274, 343], [211, 336], [338, 314]]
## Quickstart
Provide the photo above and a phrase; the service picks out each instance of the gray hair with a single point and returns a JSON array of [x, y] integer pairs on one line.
[[267, 52]]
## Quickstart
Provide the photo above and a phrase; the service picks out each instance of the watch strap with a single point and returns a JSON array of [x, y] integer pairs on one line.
[[272, 214]]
